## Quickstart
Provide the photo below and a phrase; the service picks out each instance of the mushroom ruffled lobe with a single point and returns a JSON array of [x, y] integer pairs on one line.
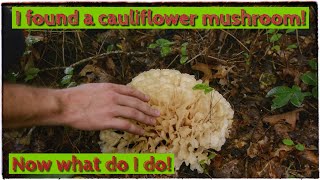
[[191, 121]]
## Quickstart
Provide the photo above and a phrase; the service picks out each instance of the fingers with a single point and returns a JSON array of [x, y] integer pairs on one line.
[[132, 113], [125, 125], [129, 91], [137, 104]]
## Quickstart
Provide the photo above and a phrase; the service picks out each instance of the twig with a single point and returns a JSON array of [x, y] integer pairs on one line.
[[64, 63], [172, 61], [297, 36], [236, 39], [99, 56]]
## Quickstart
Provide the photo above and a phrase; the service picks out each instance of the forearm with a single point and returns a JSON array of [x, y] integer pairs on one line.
[[25, 106]]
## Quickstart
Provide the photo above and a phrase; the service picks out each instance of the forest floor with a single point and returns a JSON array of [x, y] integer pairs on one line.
[[243, 65]]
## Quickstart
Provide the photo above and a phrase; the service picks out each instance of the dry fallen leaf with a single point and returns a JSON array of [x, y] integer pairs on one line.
[[111, 66], [289, 117], [95, 74], [310, 156], [207, 77]]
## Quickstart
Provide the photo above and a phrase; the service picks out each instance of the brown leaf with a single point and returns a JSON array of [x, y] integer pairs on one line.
[[289, 117], [310, 156], [96, 74], [111, 66], [207, 77]]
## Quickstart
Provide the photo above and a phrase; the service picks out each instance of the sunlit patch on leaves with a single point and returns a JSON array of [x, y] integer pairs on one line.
[[68, 70], [30, 40], [31, 73], [283, 94], [288, 142], [206, 88], [164, 45], [184, 53]]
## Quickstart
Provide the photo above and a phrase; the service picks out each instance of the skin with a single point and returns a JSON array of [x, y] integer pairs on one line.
[[96, 106]]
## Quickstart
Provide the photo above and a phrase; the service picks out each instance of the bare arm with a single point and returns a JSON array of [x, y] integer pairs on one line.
[[87, 107]]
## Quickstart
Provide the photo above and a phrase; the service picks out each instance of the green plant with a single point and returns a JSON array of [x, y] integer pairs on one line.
[[283, 94], [11, 77], [310, 78], [205, 87], [66, 80], [184, 53], [31, 73], [204, 165], [289, 142], [164, 45]]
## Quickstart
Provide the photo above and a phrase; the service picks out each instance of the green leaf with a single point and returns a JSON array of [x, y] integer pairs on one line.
[[270, 31], [68, 70], [66, 79], [292, 46], [309, 78], [185, 44], [313, 64], [315, 92], [11, 77], [279, 90], [31, 73], [183, 59], [152, 46], [200, 86], [164, 42], [290, 31], [72, 84], [297, 98], [165, 51], [280, 101], [276, 48], [275, 37], [246, 55], [184, 51], [206, 88], [299, 147], [110, 48], [288, 142], [212, 155]]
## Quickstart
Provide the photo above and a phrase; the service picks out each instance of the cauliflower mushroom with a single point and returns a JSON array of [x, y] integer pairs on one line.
[[191, 121]]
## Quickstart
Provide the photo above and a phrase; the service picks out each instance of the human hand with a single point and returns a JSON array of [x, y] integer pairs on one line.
[[99, 106]]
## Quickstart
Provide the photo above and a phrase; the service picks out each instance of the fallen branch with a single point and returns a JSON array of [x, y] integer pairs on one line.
[[99, 56]]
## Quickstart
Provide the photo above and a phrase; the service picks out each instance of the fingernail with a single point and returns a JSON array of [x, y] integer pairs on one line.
[[156, 112], [147, 97]]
